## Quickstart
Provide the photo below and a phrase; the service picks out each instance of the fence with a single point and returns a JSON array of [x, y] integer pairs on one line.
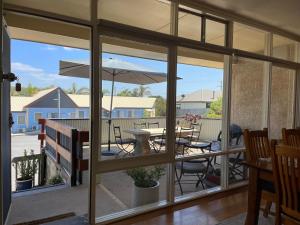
[[210, 127]]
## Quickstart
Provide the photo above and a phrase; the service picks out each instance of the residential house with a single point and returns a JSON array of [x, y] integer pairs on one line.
[[197, 102], [55, 103]]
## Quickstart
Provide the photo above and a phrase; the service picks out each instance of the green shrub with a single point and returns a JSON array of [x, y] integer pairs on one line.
[[144, 177], [57, 179], [27, 167]]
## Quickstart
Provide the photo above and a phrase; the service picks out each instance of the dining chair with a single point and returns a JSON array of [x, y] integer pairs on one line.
[[291, 137], [127, 145], [258, 146], [153, 124], [140, 125], [286, 172]]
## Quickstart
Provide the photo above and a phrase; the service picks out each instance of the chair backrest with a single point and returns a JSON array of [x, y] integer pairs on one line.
[[117, 132], [286, 166], [153, 124], [196, 131], [257, 144], [140, 125], [291, 137]]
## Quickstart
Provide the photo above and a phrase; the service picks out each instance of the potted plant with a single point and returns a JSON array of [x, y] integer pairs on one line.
[[146, 184], [26, 169]]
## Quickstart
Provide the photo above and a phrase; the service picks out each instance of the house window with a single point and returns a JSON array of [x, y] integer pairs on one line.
[[130, 113], [21, 119], [52, 115], [208, 105], [81, 114], [72, 115], [37, 116], [178, 106]]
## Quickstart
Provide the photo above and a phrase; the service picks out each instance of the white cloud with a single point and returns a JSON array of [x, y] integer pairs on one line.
[[50, 48], [37, 73], [70, 49]]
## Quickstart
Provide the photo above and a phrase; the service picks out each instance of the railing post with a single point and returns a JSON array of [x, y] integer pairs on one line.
[[74, 157]]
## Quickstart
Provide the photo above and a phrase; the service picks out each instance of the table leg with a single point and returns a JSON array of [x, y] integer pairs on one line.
[[142, 144], [254, 197]]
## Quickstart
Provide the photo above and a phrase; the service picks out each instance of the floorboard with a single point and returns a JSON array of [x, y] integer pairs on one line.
[[205, 211]]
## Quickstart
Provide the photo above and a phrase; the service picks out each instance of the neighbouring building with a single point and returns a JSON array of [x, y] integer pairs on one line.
[[197, 102], [55, 103]]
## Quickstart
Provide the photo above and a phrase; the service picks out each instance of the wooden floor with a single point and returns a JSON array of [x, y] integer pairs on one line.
[[206, 211]]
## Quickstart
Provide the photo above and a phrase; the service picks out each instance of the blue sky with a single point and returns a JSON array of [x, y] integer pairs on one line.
[[38, 64]]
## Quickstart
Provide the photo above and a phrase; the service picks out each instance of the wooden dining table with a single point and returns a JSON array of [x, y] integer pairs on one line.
[[260, 173], [142, 137]]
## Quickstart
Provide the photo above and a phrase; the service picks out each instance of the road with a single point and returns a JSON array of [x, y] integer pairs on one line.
[[21, 142]]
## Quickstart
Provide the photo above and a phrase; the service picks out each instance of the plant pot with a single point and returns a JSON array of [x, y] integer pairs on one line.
[[23, 184], [143, 196]]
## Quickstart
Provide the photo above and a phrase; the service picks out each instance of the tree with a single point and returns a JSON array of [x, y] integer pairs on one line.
[[73, 89], [141, 91], [125, 92], [215, 110], [160, 106], [31, 90]]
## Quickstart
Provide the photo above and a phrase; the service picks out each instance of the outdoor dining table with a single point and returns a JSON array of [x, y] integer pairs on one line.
[[142, 137], [260, 172]]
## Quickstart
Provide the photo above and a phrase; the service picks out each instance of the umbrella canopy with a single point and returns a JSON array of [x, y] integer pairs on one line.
[[113, 69]]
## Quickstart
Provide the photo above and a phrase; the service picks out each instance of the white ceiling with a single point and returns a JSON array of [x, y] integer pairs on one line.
[[283, 14]]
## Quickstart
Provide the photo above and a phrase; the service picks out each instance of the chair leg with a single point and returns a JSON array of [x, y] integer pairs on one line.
[[267, 209], [178, 180]]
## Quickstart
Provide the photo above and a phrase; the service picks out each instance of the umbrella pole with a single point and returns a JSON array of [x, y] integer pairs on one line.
[[110, 110]]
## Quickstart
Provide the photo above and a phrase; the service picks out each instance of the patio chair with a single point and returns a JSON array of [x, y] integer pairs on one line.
[[127, 145], [153, 124], [183, 140], [195, 136], [192, 168], [159, 141], [139, 125]]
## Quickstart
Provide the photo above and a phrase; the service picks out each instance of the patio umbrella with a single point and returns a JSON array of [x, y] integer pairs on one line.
[[116, 71]]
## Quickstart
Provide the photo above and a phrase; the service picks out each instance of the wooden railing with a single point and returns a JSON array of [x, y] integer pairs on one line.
[[63, 144]]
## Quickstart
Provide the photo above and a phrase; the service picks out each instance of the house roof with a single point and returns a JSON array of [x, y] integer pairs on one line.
[[200, 96], [118, 101], [19, 103]]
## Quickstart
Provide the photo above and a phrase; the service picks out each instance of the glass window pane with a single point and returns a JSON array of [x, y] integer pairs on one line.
[[148, 14], [282, 100], [248, 38], [215, 32], [284, 48], [189, 26], [121, 191], [134, 87], [199, 121]]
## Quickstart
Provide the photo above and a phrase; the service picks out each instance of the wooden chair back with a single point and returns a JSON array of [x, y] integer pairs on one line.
[[286, 166], [291, 137], [257, 144]]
